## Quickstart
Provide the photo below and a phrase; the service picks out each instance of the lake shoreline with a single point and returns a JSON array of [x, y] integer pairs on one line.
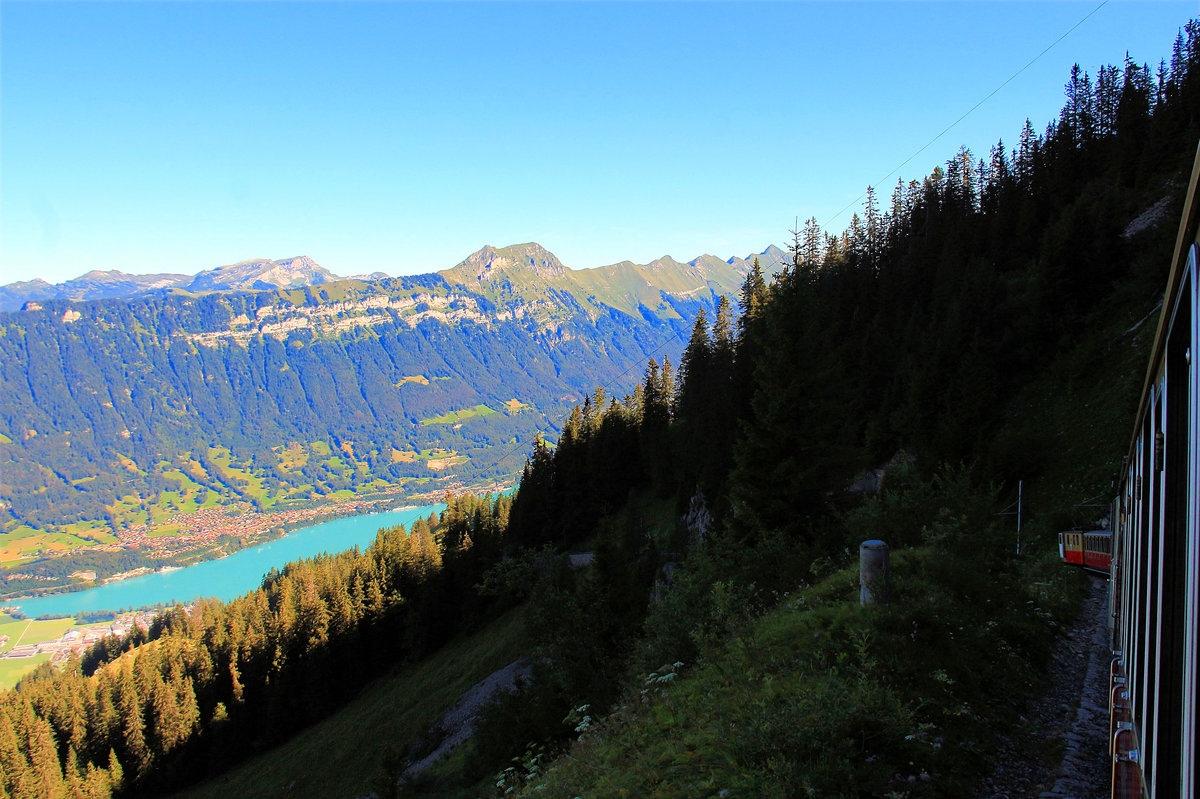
[[256, 532], [222, 578]]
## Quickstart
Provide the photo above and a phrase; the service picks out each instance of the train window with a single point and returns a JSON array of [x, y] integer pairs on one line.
[[1140, 591], [1173, 550], [1141, 695]]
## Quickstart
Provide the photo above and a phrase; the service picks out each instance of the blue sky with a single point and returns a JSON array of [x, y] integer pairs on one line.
[[401, 137]]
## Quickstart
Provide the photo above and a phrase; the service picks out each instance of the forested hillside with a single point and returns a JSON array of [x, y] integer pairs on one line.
[[264, 397], [990, 325], [208, 688]]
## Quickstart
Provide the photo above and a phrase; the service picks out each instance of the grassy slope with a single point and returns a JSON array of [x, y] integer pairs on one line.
[[341, 755], [450, 417], [820, 697]]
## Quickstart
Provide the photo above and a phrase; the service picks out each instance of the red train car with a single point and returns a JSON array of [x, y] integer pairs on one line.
[[1097, 551], [1092, 549], [1070, 547]]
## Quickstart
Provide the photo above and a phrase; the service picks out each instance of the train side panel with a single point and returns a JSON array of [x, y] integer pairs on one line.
[[1154, 559]]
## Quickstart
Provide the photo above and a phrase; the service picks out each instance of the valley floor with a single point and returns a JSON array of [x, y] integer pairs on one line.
[[1061, 749]]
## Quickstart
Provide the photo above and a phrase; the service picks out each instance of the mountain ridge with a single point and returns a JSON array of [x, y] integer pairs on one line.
[[487, 266], [120, 396]]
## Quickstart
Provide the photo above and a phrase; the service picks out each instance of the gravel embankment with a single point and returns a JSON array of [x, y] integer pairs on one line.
[[1069, 717]]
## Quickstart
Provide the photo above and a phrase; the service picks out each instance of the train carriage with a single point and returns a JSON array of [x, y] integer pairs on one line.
[[1097, 551], [1070, 547], [1154, 553], [1092, 550]]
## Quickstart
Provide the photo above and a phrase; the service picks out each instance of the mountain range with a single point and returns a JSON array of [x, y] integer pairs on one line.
[[263, 274]]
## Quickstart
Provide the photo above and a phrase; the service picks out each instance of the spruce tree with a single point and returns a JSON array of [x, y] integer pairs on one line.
[[695, 371]]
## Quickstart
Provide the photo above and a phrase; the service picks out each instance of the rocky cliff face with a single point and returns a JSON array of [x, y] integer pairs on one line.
[[117, 394]]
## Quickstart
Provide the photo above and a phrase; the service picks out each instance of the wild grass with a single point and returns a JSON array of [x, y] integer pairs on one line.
[[13, 669]]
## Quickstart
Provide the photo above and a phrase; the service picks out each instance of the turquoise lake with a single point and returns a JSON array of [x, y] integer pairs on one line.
[[229, 577]]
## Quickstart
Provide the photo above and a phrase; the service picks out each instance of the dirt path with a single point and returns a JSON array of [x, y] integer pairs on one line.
[[1061, 750], [21, 637], [459, 721]]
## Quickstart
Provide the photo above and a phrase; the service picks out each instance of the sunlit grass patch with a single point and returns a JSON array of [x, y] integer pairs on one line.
[[451, 417]]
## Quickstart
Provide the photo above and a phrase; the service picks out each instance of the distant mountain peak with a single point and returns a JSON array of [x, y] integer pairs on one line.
[[102, 274], [263, 273], [491, 263]]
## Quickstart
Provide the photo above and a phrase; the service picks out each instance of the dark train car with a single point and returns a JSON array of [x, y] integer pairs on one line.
[[1155, 553]]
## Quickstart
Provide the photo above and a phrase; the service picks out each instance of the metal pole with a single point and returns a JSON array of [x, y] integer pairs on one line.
[[873, 559], [1020, 484]]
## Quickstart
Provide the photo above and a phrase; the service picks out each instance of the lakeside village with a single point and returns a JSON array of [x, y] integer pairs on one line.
[[203, 531], [77, 640], [200, 529]]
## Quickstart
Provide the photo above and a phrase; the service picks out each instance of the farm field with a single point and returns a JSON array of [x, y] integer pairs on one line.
[[24, 541], [26, 631], [31, 631], [11, 671]]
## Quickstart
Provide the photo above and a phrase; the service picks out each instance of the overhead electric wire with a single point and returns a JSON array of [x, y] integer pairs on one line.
[[972, 109]]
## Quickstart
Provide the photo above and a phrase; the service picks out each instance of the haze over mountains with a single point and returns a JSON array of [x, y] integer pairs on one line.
[[323, 384], [263, 274]]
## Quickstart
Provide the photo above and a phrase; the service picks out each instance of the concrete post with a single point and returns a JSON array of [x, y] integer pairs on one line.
[[873, 559]]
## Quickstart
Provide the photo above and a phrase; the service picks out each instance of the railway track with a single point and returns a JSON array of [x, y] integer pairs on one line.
[[1060, 749]]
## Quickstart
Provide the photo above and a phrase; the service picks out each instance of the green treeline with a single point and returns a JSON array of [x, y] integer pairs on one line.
[[52, 571], [162, 708]]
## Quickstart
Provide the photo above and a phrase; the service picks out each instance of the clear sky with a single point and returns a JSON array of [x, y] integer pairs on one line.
[[400, 137]]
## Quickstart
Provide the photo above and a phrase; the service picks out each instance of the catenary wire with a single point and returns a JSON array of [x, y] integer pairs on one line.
[[972, 109]]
